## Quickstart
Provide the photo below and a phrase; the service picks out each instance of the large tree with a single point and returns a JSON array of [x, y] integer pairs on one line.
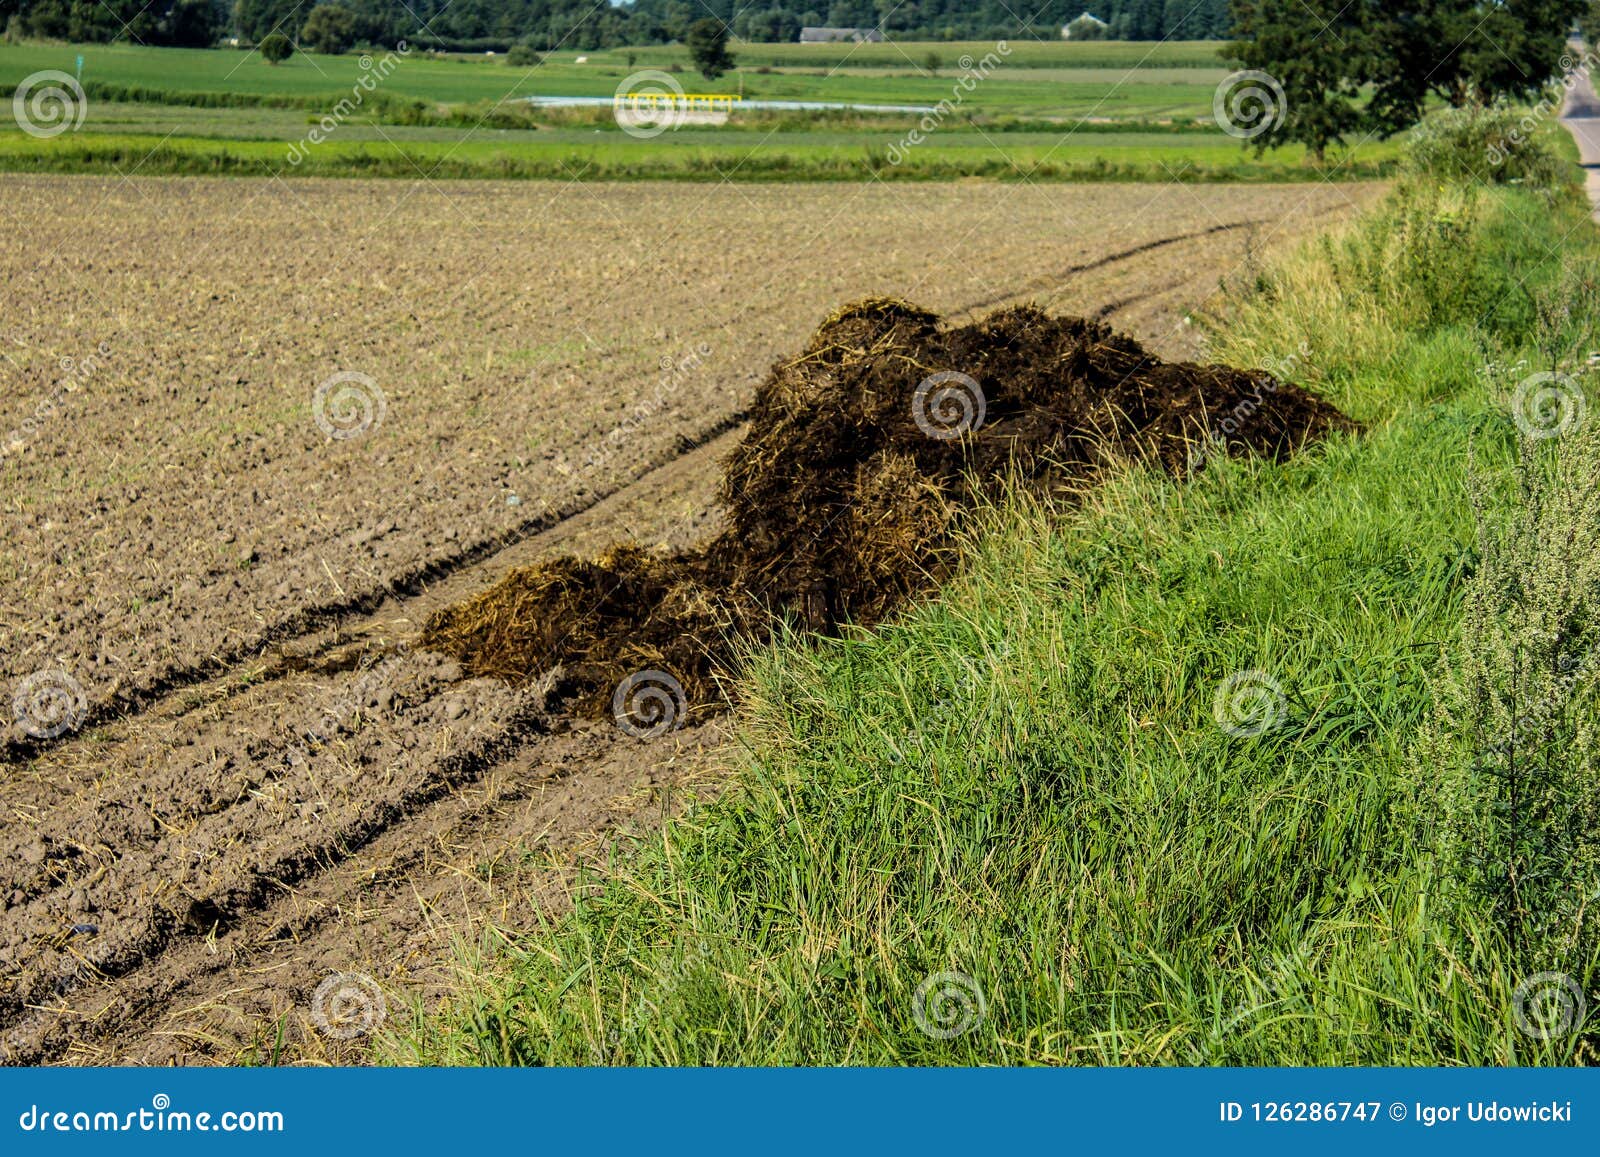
[[1314, 57], [1477, 50], [330, 29], [1370, 66]]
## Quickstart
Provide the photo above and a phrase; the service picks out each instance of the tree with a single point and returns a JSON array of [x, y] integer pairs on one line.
[[1343, 68], [256, 19], [276, 47], [1313, 57], [330, 29], [192, 24], [1470, 51], [707, 41]]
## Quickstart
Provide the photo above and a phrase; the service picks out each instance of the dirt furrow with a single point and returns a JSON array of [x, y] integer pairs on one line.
[[161, 681], [500, 850], [140, 840]]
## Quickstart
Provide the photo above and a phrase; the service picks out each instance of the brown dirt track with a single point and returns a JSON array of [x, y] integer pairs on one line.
[[221, 577]]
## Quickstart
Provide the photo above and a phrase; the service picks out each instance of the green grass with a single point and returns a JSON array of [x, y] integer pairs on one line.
[[378, 151], [1050, 112], [909, 55], [1024, 783]]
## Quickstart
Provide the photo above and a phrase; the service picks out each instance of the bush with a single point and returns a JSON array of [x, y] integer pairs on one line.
[[523, 56], [1490, 143], [275, 47]]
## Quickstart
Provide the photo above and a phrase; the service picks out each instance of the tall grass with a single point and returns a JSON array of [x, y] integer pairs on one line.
[[1140, 788], [615, 157]]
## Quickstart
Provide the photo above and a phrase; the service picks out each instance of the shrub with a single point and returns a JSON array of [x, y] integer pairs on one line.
[[275, 47], [523, 56], [1491, 143]]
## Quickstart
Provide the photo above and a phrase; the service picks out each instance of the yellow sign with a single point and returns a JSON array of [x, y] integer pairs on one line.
[[651, 101]]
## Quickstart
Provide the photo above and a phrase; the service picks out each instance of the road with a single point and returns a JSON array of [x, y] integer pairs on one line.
[[1580, 112]]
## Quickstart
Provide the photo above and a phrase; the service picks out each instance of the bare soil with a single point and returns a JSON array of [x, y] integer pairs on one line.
[[265, 783]]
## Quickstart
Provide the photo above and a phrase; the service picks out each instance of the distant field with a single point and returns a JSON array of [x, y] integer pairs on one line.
[[168, 67], [1023, 53], [1033, 79], [1053, 111]]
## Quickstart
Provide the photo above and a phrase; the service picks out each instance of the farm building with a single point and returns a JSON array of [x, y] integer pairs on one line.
[[1087, 26], [835, 35]]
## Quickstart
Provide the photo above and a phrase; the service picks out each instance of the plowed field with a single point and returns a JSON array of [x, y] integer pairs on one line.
[[253, 433]]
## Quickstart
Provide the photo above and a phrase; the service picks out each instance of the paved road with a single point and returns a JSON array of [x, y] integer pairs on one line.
[[1580, 112]]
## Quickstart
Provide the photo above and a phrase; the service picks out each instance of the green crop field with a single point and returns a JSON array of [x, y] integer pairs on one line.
[[1026, 83], [1040, 111]]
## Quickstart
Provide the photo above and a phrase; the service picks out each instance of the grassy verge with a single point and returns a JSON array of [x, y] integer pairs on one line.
[[1012, 828], [618, 158]]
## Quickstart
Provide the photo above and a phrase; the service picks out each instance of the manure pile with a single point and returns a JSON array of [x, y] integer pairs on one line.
[[842, 498]]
